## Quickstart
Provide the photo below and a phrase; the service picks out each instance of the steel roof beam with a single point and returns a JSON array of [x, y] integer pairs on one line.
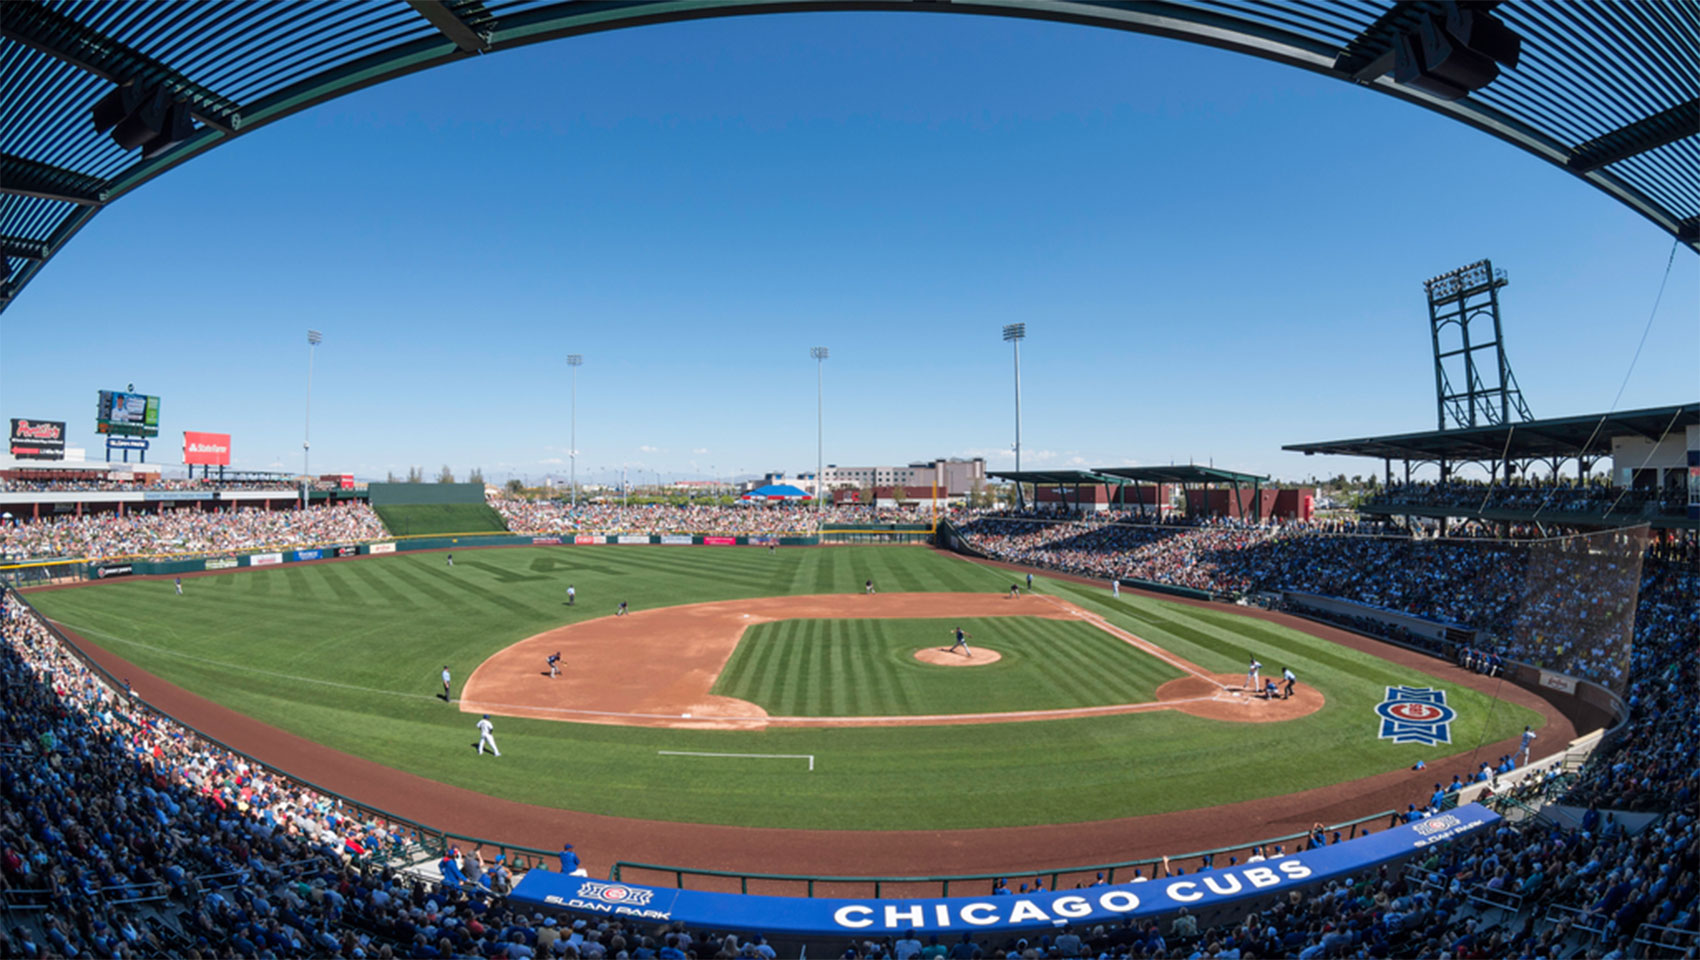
[[27, 178], [1647, 133], [22, 249], [64, 39], [450, 25]]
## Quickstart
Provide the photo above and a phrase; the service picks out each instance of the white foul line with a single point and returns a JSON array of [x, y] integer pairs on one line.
[[750, 756]]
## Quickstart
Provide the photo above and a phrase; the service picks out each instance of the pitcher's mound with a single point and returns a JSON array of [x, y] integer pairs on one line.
[[940, 657]]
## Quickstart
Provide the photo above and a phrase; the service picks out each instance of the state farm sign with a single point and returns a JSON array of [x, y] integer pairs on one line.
[[206, 449]]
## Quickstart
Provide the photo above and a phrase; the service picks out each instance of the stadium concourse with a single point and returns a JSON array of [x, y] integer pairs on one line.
[[125, 834]]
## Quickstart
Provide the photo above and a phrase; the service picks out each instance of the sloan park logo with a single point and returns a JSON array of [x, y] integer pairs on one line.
[[615, 893], [1416, 715]]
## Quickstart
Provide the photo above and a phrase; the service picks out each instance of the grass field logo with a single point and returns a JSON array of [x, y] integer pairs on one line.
[[615, 893], [1416, 715]]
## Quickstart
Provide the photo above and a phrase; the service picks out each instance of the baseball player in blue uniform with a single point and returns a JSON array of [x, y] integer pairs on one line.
[[961, 641], [555, 664], [622, 609]]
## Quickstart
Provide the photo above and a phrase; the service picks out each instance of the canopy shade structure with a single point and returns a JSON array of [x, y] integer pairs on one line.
[[1603, 89], [1587, 436], [1050, 477], [1176, 473], [776, 491]]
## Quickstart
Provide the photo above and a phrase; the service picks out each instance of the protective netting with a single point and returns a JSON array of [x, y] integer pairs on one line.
[[1575, 605]]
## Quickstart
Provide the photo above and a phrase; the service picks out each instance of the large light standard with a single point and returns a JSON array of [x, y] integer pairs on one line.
[[1013, 334], [820, 354], [574, 360], [314, 338]]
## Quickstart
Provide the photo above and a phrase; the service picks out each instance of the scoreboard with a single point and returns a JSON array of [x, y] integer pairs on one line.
[[121, 413]]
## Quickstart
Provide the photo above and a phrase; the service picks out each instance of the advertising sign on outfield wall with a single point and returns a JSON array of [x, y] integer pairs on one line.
[[113, 570], [676, 539], [1558, 681], [588, 538], [206, 449], [38, 439], [720, 541], [1047, 910], [633, 538], [381, 548], [545, 541], [309, 554], [222, 563], [347, 551], [265, 559]]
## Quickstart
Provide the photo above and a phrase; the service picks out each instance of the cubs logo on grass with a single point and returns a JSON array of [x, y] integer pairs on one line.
[[615, 893], [1416, 715]]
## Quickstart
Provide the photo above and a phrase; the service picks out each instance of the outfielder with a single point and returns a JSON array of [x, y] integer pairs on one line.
[[451, 559], [555, 664], [486, 734], [179, 582], [961, 641]]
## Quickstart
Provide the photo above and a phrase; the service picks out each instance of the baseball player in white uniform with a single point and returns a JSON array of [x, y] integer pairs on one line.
[[486, 734], [961, 641], [1528, 741], [572, 595], [1251, 675]]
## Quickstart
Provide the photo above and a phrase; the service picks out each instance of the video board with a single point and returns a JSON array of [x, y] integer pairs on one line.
[[127, 414]]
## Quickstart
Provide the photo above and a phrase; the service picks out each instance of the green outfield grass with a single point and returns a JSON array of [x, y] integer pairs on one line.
[[411, 520], [347, 654], [860, 668]]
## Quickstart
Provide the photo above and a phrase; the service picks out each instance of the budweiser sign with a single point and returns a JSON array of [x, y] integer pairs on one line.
[[38, 439], [206, 449]]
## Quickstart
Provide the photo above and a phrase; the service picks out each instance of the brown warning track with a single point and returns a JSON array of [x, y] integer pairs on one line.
[[1008, 850], [657, 668]]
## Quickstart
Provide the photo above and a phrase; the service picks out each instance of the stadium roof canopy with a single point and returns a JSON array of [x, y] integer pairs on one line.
[[1605, 90], [1565, 437], [1064, 477]]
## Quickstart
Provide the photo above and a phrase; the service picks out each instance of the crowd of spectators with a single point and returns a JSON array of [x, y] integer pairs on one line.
[[1548, 496], [773, 519], [187, 531], [283, 486]]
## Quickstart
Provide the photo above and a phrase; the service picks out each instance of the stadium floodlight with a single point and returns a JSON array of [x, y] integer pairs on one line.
[[314, 338], [574, 360], [819, 354], [1014, 333]]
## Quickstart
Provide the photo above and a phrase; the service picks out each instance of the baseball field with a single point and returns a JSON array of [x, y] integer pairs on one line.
[[1095, 707]]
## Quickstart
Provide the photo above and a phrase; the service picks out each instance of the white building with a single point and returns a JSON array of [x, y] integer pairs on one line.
[[952, 477]]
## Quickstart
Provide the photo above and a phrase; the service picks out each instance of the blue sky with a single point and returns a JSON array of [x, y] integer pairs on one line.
[[1214, 255]]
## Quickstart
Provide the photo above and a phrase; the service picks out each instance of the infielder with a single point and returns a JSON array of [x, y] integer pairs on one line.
[[1015, 591], [621, 611], [445, 683], [1528, 740], [555, 664], [486, 734], [179, 582], [572, 595], [868, 588], [961, 641], [1251, 675]]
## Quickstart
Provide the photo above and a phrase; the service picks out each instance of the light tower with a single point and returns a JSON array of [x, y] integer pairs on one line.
[[1013, 334], [314, 338], [574, 361], [819, 354]]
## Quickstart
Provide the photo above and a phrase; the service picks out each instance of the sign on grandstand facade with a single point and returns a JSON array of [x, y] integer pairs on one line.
[[38, 439]]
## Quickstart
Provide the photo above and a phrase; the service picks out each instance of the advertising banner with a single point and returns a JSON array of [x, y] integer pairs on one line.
[[1198, 892], [381, 548], [265, 559], [633, 538], [206, 449], [720, 541], [125, 443], [38, 439], [308, 554], [587, 538], [676, 539], [763, 541], [347, 551], [545, 541], [1558, 681], [222, 563], [156, 496], [113, 570]]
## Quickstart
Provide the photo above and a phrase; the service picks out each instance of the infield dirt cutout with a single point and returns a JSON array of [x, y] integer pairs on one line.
[[655, 668]]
